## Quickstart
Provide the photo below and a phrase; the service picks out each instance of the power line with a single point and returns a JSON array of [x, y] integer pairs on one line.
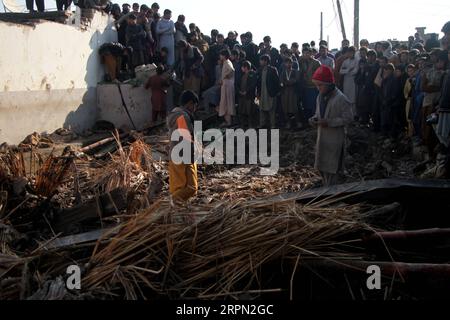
[[334, 18], [338, 28]]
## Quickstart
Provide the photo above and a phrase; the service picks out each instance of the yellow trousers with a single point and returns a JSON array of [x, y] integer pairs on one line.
[[183, 181]]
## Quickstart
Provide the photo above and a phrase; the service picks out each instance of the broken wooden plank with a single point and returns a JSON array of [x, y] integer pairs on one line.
[[383, 190], [417, 280], [406, 271], [103, 206], [411, 246], [416, 197], [108, 149], [400, 236], [102, 143], [77, 239]]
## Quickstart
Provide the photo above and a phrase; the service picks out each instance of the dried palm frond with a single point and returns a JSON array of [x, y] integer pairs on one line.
[[128, 168], [141, 154], [223, 251], [13, 270], [52, 174], [13, 164], [3, 173]]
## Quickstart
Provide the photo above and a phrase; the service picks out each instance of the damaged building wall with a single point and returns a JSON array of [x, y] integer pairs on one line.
[[137, 100], [49, 75]]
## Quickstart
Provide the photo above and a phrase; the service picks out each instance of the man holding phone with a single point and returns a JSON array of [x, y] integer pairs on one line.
[[333, 114]]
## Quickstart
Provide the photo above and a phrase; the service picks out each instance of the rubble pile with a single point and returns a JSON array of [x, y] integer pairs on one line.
[[219, 184], [368, 156], [103, 206], [65, 194]]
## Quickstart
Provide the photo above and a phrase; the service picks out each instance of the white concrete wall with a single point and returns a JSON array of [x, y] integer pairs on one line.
[[137, 100], [49, 74]]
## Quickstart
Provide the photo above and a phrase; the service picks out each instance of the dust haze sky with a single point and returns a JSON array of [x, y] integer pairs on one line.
[[299, 20]]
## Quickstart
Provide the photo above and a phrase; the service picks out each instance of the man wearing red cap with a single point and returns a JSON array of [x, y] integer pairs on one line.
[[333, 114]]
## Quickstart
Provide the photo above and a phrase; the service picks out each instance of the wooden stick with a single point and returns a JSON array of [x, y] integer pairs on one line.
[[102, 142]]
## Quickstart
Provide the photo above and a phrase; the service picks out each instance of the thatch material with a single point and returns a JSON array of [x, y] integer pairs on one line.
[[51, 175], [128, 168], [13, 271], [222, 252], [12, 164]]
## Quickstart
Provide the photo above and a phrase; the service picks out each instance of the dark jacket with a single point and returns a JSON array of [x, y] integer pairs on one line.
[[231, 43], [251, 53], [193, 64], [182, 28], [121, 33], [444, 104], [214, 53], [135, 35], [275, 57], [252, 82], [272, 82], [365, 78], [391, 93]]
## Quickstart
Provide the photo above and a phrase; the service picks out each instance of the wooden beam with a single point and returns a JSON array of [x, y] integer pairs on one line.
[[105, 205], [77, 239]]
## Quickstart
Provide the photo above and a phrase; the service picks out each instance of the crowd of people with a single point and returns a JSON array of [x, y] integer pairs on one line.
[[394, 90]]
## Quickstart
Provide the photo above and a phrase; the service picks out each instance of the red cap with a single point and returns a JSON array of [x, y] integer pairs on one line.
[[324, 74]]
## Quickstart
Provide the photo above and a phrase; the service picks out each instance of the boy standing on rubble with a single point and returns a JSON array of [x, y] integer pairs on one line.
[[333, 114], [183, 183]]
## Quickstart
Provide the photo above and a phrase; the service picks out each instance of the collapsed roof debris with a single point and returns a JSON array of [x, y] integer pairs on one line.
[[102, 205]]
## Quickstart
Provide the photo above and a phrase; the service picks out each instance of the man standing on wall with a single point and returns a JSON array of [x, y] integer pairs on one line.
[[166, 33], [39, 4], [63, 5], [135, 36]]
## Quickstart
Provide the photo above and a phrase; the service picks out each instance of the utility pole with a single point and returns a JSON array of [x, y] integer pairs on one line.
[[321, 26], [344, 35], [356, 24]]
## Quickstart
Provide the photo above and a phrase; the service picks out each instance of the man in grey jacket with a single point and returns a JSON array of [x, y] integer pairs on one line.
[[333, 114]]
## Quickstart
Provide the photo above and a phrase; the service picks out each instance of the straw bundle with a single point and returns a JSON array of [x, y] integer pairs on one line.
[[3, 174], [12, 163], [128, 168], [51, 175], [222, 252]]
